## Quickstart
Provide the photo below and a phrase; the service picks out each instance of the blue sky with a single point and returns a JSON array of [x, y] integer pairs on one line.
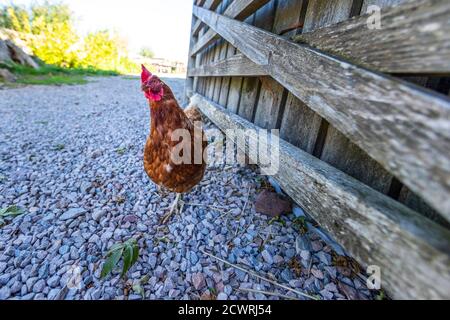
[[162, 25]]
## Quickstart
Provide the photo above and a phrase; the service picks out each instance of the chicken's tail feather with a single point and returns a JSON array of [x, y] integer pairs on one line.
[[193, 114]]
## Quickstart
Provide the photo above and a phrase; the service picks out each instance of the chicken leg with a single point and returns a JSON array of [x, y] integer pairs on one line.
[[173, 208]]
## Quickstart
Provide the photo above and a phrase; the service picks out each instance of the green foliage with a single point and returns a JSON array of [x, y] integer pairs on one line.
[[58, 147], [48, 30], [147, 53], [53, 75], [138, 286], [300, 224], [8, 213], [127, 251], [121, 151]]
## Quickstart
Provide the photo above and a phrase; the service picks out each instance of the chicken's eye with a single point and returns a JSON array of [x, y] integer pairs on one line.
[[154, 84]]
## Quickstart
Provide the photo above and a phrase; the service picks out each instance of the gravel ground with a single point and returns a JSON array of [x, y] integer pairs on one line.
[[71, 157]]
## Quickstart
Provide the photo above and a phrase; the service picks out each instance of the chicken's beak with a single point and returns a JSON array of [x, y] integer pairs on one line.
[[145, 75]]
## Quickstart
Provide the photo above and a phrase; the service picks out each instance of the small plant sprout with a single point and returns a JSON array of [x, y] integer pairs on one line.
[[127, 251], [121, 151], [8, 213], [59, 147], [300, 224], [138, 286]]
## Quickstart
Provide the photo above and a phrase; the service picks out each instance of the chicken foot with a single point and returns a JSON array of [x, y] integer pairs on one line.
[[173, 208], [161, 191]]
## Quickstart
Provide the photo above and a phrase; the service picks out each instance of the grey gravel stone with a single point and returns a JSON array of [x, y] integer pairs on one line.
[[198, 281], [5, 293], [82, 199], [267, 257], [52, 294], [4, 279], [72, 213], [39, 286], [222, 296], [97, 214], [53, 281]]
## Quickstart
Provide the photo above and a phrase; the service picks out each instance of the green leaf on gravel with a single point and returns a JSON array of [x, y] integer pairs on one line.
[[127, 257], [58, 147], [138, 289], [111, 262], [11, 211], [128, 251]]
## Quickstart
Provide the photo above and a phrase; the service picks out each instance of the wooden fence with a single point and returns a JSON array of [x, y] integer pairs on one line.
[[363, 113]]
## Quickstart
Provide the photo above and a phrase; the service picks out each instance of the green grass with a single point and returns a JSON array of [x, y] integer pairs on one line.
[[53, 75]]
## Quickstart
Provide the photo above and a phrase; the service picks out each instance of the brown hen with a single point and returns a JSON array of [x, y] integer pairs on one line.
[[173, 159]]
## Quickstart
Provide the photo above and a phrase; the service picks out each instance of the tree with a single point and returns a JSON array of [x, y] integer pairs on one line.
[[147, 52]]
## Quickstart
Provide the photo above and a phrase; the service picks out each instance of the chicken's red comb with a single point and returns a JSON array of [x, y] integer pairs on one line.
[[145, 75]]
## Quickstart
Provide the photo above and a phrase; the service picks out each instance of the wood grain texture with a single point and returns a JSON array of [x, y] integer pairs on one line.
[[300, 125], [321, 13], [234, 96], [414, 38], [288, 14], [237, 65], [344, 155], [239, 9], [412, 252], [413, 201], [336, 149], [399, 47], [248, 97], [269, 102], [210, 5], [406, 129]]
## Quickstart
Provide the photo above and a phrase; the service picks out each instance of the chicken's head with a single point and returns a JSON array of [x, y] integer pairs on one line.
[[152, 86]]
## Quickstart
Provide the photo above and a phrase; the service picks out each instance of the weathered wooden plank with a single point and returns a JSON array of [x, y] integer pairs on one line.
[[190, 82], [210, 5], [288, 15], [321, 13], [404, 195], [335, 148], [428, 59], [211, 81], [406, 129], [414, 38], [249, 96], [412, 251], [239, 9], [217, 80], [300, 125], [344, 155], [269, 100], [237, 65], [251, 86], [234, 96], [413, 201], [224, 81], [269, 103]]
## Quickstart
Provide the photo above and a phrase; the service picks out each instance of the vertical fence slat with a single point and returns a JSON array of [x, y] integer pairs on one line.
[[338, 150]]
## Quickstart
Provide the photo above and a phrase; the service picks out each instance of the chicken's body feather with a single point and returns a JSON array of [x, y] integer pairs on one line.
[[166, 117]]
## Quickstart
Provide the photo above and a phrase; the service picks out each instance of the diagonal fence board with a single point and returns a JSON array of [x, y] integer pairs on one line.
[[414, 38], [407, 42], [375, 229], [403, 127], [239, 9], [210, 5]]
